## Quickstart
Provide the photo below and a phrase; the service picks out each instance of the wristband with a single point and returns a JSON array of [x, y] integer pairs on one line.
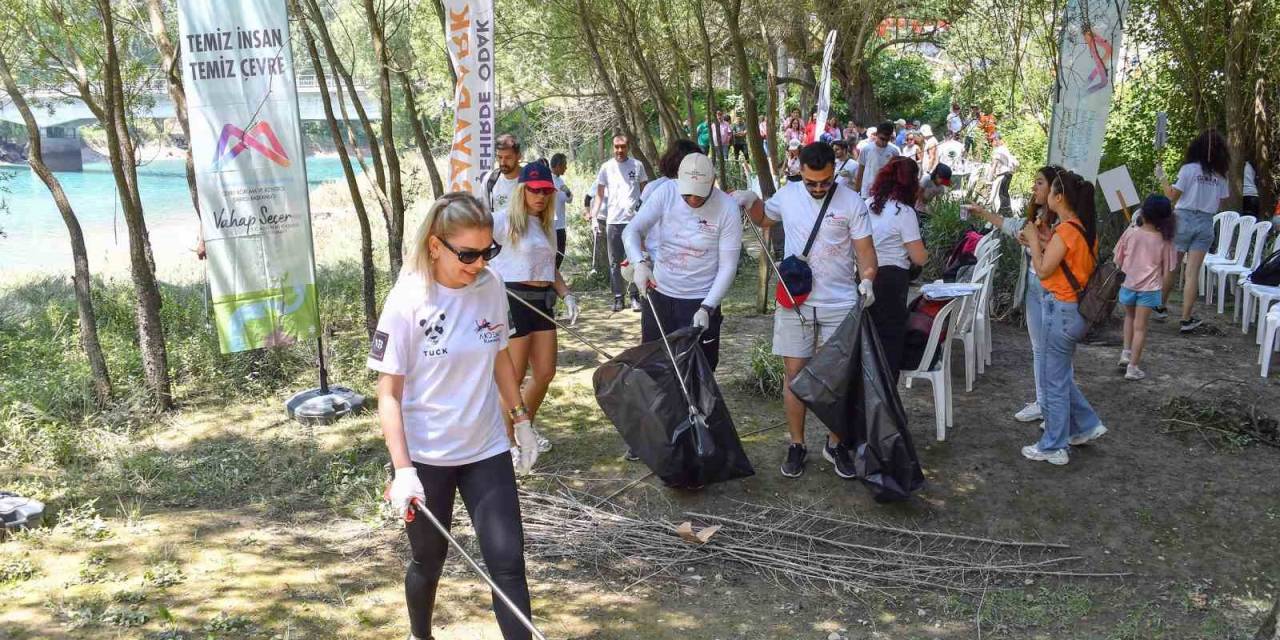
[[517, 411], [709, 310]]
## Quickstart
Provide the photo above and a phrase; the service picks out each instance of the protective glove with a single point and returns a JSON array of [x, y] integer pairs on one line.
[[527, 443], [571, 309], [405, 487], [745, 198], [642, 277], [702, 318], [866, 290]]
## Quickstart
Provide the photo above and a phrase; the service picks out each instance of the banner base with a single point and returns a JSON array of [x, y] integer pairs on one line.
[[315, 407]]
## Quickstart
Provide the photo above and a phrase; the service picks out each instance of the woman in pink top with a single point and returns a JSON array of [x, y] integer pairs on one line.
[[1145, 254]]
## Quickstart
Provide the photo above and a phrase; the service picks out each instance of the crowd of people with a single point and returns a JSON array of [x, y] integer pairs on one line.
[[466, 346]]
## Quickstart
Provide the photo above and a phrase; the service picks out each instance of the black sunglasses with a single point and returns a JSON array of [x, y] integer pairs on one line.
[[823, 184], [469, 256]]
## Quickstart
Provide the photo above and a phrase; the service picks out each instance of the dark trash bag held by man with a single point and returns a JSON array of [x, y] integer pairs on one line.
[[845, 384], [639, 392]]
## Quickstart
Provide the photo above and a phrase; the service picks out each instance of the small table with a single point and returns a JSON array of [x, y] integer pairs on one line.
[[939, 290]]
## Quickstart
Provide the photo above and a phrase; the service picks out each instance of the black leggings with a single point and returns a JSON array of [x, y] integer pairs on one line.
[[488, 489], [889, 313]]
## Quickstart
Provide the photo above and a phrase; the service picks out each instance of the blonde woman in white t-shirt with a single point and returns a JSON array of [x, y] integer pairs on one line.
[[445, 381], [528, 267]]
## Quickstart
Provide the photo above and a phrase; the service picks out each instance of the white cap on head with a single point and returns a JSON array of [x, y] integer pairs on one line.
[[926, 130], [696, 176], [871, 131]]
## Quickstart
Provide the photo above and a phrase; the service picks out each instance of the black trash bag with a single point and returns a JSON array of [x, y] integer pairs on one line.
[[846, 385], [639, 392]]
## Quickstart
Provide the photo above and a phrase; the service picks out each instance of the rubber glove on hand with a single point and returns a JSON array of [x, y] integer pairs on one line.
[[405, 487], [745, 198], [866, 290], [642, 277], [527, 444], [701, 318], [571, 309]]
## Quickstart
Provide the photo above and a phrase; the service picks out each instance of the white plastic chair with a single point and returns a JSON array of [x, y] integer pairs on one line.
[[1239, 244], [1224, 273], [1270, 327], [1224, 227], [965, 332], [982, 319], [1257, 294], [1217, 271], [938, 375]]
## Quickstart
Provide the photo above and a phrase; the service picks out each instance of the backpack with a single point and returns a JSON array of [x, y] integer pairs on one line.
[[489, 183], [921, 313], [962, 255], [1268, 272], [1096, 300]]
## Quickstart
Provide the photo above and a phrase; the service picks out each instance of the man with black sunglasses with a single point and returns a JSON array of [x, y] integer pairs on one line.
[[874, 156], [832, 233]]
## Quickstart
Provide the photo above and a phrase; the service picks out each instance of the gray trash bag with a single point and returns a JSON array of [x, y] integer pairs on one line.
[[18, 512], [846, 384]]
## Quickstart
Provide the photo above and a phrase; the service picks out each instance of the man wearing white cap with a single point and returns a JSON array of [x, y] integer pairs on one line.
[[930, 146], [699, 239]]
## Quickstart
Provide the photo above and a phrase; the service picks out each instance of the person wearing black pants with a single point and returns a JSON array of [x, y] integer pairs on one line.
[[673, 314], [896, 231], [445, 380]]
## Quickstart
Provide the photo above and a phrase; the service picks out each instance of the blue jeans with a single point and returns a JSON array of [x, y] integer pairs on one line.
[[1035, 329], [1066, 412]]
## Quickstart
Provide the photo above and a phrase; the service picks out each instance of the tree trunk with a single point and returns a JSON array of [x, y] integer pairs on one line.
[[588, 31], [713, 127], [80, 255], [771, 97], [368, 290], [732, 9], [1236, 95], [653, 82], [395, 225], [420, 134], [683, 72]]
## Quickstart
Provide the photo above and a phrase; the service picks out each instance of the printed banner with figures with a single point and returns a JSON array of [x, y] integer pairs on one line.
[[246, 142], [468, 31], [1088, 55]]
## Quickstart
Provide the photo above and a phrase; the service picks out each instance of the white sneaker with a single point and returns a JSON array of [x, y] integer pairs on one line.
[[1029, 413], [1133, 373], [1033, 452], [544, 445], [1125, 356], [1088, 436]]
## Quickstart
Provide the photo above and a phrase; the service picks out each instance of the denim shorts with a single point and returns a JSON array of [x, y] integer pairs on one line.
[[1195, 230], [1131, 298]]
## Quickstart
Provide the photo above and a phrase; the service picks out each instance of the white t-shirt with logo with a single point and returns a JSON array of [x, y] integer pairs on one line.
[[500, 197], [950, 153], [874, 157], [621, 182], [832, 257], [849, 166], [531, 258], [445, 345], [892, 228], [1200, 191], [562, 198], [698, 249]]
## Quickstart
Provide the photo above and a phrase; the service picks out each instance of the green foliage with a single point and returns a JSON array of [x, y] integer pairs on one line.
[[15, 570], [904, 87], [767, 373], [941, 229]]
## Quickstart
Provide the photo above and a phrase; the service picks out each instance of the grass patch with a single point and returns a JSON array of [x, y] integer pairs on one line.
[[1008, 612]]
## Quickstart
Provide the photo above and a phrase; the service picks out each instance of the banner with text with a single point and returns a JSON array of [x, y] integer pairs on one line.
[[824, 87], [1089, 51], [246, 142], [468, 32]]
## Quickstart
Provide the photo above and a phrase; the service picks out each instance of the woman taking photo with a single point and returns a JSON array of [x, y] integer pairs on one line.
[[1028, 292], [1196, 195], [527, 265], [445, 381], [896, 232], [1068, 417]]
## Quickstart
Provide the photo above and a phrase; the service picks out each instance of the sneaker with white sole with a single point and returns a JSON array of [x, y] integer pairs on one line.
[[1133, 373], [1125, 357], [1187, 326], [793, 466], [1160, 313], [1029, 413], [1088, 436], [840, 460], [1033, 452]]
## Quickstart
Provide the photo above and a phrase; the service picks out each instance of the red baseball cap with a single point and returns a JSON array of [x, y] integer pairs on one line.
[[536, 175]]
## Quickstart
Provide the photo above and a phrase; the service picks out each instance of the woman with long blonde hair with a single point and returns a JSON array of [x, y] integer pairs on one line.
[[526, 229], [445, 382]]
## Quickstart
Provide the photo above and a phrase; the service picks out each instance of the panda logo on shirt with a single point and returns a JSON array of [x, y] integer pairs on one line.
[[434, 331]]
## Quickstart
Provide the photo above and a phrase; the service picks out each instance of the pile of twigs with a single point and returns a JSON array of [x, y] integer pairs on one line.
[[1226, 420], [795, 547]]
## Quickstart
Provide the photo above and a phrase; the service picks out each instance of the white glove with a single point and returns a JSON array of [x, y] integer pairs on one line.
[[527, 446], [1160, 175], [571, 309], [642, 277], [745, 198], [701, 318], [405, 487], [866, 290]]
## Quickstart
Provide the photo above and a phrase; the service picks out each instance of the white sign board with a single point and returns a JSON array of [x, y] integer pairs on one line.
[[1118, 188], [468, 34]]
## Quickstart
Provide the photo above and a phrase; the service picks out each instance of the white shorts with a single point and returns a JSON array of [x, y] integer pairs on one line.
[[795, 339]]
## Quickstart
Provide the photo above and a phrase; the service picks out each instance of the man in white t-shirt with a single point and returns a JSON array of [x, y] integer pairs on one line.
[[951, 153], [864, 143], [619, 182], [846, 167], [559, 165], [954, 121], [501, 181], [842, 251], [1003, 164], [875, 156]]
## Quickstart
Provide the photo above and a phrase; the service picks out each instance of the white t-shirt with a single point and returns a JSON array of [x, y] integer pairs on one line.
[[873, 158], [861, 147], [652, 187], [1200, 191], [532, 259], [698, 249], [912, 151], [930, 144], [500, 197], [832, 257], [621, 182], [950, 152], [651, 242], [1250, 186], [954, 123], [562, 198], [892, 228], [445, 345], [849, 166]]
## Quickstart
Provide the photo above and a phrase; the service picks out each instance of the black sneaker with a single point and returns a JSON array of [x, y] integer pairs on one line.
[[1187, 326], [794, 466], [1160, 313], [839, 457], [617, 304], [630, 455]]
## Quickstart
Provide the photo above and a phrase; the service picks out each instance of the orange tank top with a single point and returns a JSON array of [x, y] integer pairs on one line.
[[1079, 259]]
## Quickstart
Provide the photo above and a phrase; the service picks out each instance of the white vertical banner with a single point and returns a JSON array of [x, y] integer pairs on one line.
[[824, 87], [1089, 51], [468, 31], [246, 144]]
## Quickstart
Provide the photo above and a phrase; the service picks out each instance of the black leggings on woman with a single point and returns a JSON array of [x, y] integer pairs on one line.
[[488, 489], [889, 313]]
